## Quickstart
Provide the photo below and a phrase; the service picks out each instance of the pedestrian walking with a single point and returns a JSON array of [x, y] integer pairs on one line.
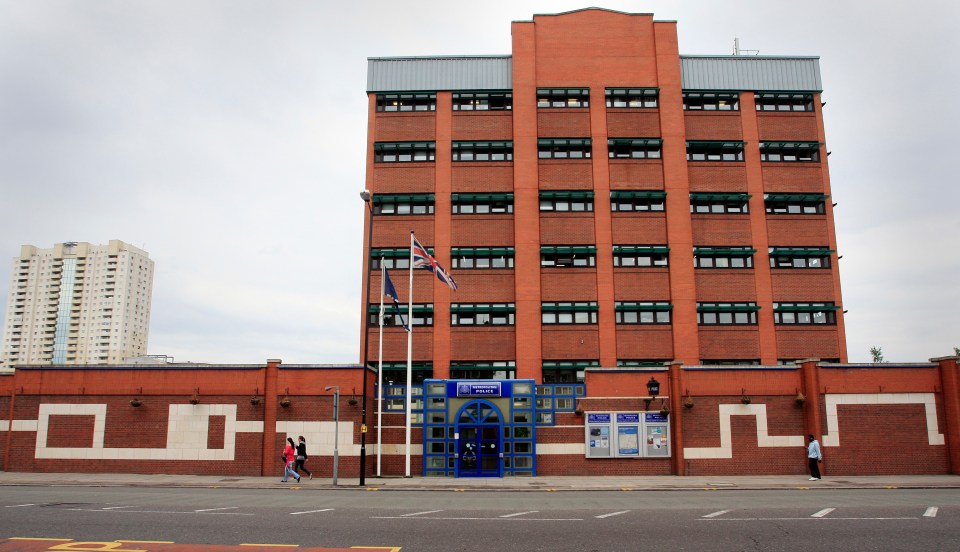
[[814, 458], [289, 458], [302, 457]]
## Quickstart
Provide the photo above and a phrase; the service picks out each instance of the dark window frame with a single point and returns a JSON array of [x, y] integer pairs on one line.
[[564, 148], [644, 313], [389, 205], [730, 151], [803, 258], [719, 204], [553, 98], [795, 204], [739, 258], [481, 204], [422, 315], [492, 100], [406, 102], [790, 152], [781, 102], [482, 152], [625, 201], [574, 256], [711, 100], [566, 202], [483, 314], [404, 152], [641, 256], [634, 148], [805, 314], [632, 98], [481, 258], [564, 313], [727, 314]]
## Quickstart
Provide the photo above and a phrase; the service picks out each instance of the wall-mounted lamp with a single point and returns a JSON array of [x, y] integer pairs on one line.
[[653, 389]]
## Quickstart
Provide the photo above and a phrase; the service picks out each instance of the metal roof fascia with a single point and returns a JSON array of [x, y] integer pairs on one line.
[[439, 73], [766, 73]]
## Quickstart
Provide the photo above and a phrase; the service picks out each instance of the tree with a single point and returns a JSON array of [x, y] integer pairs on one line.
[[877, 354]]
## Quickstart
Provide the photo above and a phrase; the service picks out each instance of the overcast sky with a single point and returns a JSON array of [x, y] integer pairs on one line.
[[227, 140]]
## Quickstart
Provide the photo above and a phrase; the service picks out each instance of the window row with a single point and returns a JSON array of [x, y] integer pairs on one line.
[[582, 201], [502, 100], [641, 256], [582, 148], [626, 313]]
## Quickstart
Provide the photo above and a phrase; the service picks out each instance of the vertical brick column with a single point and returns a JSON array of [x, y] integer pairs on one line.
[[526, 203], [268, 462], [758, 229], [683, 292], [950, 380], [442, 295], [676, 416], [812, 407]]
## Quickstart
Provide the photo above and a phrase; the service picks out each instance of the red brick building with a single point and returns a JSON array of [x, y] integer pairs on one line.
[[603, 201]]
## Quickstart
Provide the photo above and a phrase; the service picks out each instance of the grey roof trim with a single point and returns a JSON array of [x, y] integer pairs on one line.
[[432, 73], [439, 73], [759, 73]]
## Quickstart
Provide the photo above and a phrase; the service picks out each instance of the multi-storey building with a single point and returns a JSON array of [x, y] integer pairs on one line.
[[602, 201], [78, 303]]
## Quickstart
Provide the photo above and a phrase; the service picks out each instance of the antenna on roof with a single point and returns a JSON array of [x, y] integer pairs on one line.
[[737, 51]]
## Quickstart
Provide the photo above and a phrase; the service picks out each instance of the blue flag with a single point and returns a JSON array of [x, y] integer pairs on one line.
[[391, 292]]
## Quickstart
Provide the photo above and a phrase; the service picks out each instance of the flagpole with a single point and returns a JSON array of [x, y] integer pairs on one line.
[[409, 410], [383, 270]]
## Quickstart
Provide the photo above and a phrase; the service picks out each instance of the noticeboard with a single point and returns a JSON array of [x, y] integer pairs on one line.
[[627, 435]]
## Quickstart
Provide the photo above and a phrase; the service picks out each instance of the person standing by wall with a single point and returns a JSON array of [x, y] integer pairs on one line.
[[302, 457], [289, 457], [814, 458]]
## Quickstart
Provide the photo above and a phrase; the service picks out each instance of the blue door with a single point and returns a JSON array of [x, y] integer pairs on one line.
[[480, 428]]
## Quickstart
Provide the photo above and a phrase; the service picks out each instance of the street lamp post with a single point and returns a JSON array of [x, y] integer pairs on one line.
[[336, 429], [367, 198]]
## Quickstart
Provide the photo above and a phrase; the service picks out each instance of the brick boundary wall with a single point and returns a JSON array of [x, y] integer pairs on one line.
[[871, 419]]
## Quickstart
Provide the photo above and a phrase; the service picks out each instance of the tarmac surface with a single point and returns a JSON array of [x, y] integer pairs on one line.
[[449, 484]]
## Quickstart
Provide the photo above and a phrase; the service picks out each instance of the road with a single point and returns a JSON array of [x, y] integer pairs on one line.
[[434, 521]]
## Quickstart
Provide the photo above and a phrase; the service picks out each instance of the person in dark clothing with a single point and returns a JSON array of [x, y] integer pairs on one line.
[[302, 457]]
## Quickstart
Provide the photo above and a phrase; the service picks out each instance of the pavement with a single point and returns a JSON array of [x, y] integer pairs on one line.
[[539, 483]]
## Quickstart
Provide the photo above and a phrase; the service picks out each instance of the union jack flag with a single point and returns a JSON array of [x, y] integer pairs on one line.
[[422, 259]]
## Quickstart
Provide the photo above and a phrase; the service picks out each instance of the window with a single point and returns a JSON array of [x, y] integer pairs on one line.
[[727, 314], [711, 101], [641, 363], [412, 101], [395, 204], [569, 313], [566, 201], [483, 101], [560, 389], [390, 258], [795, 204], [650, 312], [729, 362], [563, 97], [481, 257], [422, 315], [714, 151], [563, 371], [482, 314], [788, 152], [482, 151], [805, 313], [719, 203], [404, 152], [395, 373], [569, 256], [632, 97], [800, 257], [498, 369], [784, 101], [723, 257], [481, 204], [564, 148], [634, 148], [637, 200], [640, 255]]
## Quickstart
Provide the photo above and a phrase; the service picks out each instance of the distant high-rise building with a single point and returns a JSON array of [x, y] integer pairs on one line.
[[77, 303]]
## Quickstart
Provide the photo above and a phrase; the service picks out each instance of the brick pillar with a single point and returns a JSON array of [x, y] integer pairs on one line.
[[812, 417], [950, 381], [676, 416], [269, 462]]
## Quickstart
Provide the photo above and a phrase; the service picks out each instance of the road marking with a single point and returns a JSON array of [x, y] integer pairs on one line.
[[715, 514], [813, 519], [158, 512], [311, 511], [602, 516], [421, 513], [270, 545], [519, 514], [117, 507], [823, 512], [215, 509], [931, 512], [19, 505], [477, 518]]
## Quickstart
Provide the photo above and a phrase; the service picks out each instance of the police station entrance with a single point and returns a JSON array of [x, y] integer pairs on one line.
[[479, 428]]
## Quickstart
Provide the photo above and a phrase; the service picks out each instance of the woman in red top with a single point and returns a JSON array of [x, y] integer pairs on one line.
[[289, 457]]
